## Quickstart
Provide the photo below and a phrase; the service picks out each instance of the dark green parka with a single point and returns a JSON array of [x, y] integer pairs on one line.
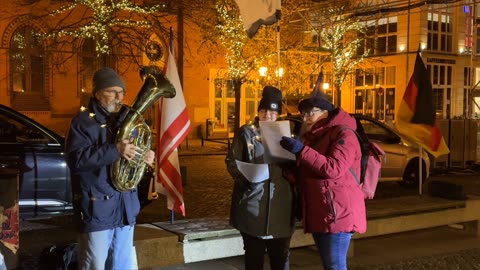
[[252, 211]]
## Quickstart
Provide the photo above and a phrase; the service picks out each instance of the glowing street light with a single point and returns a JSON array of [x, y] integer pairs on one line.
[[263, 71]]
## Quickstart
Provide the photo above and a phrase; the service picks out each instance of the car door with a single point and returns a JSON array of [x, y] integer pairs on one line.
[[37, 155]]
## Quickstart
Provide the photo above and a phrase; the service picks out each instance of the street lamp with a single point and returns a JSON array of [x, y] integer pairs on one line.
[[279, 72], [263, 71]]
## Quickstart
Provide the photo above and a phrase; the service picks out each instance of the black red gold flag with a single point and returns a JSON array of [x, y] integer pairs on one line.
[[416, 114]]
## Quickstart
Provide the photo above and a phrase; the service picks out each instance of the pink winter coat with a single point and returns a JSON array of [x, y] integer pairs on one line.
[[332, 200]]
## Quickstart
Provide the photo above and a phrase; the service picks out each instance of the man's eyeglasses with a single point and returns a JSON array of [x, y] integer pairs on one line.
[[114, 92], [310, 113]]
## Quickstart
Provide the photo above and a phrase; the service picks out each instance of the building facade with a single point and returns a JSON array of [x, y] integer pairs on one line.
[[446, 33]]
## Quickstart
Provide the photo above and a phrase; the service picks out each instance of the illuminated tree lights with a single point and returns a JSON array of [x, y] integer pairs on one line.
[[233, 37], [106, 16]]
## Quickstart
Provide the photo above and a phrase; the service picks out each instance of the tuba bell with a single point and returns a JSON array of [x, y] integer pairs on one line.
[[126, 174]]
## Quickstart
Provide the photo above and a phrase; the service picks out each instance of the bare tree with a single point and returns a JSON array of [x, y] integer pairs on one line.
[[223, 30], [335, 36], [118, 28], [340, 35]]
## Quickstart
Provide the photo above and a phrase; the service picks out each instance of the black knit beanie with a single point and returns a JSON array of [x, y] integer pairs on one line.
[[271, 99], [315, 101], [105, 78]]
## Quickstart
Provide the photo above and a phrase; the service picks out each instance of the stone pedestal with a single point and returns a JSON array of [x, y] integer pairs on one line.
[[156, 247]]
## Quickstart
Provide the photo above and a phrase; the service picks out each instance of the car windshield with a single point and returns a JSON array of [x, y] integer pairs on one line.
[[377, 132]]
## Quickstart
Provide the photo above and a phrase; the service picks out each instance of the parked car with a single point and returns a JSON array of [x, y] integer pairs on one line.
[[37, 154], [402, 155]]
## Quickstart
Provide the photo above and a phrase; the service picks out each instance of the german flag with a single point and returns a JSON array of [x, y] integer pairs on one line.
[[416, 115]]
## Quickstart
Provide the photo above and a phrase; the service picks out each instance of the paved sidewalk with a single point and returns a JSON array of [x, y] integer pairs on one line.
[[439, 248], [442, 248], [195, 147]]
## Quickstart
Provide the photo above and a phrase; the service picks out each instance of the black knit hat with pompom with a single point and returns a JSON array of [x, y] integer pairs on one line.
[[271, 99]]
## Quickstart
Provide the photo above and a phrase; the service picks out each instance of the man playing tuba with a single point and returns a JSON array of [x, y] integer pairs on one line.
[[105, 216]]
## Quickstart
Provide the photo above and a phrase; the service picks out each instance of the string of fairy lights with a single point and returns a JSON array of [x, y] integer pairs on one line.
[[342, 47], [104, 18], [233, 37]]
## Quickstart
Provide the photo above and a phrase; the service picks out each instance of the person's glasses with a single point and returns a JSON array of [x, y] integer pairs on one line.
[[310, 113], [114, 92]]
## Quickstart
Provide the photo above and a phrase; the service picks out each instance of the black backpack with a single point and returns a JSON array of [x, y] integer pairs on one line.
[[59, 257]]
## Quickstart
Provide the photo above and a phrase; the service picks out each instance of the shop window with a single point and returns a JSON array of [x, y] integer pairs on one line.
[[375, 92]]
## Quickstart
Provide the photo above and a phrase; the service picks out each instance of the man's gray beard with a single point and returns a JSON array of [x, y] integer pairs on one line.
[[113, 107]]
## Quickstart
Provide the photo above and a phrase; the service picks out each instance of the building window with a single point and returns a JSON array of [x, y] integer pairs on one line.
[[375, 92], [223, 93], [224, 100], [89, 63], [87, 66], [27, 61], [442, 84], [468, 40], [440, 30], [467, 93], [478, 39], [380, 37]]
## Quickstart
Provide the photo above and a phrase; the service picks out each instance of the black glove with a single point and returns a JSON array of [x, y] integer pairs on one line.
[[292, 145]]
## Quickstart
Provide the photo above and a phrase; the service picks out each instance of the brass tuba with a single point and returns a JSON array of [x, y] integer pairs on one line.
[[127, 174]]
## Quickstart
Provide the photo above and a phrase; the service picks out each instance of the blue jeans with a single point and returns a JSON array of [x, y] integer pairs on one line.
[[333, 248], [108, 249]]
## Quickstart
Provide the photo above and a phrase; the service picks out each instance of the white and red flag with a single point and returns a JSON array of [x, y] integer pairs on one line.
[[173, 127]]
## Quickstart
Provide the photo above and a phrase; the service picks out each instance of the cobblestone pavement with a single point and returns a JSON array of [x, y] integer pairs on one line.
[[207, 194], [461, 260]]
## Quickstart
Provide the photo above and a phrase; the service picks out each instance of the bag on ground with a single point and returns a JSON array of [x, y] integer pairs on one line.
[[59, 257]]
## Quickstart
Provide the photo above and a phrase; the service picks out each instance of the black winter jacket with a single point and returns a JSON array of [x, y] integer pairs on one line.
[[90, 151]]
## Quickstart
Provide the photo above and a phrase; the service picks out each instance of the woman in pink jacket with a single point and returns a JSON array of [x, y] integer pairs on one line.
[[333, 205]]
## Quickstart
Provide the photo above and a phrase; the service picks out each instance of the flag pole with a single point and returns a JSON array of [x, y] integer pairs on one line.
[[170, 46], [420, 170], [278, 53]]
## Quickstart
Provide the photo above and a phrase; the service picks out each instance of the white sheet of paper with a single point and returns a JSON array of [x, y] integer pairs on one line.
[[272, 132], [253, 172]]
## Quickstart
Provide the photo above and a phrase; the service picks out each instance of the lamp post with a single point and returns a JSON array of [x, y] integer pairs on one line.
[[265, 77]]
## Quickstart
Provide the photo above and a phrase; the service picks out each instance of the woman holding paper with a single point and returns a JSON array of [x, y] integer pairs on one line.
[[265, 222], [333, 203]]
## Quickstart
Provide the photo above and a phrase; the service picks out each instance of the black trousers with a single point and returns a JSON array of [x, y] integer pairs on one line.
[[278, 250]]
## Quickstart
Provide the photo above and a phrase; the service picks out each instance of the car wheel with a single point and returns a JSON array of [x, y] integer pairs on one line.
[[411, 173]]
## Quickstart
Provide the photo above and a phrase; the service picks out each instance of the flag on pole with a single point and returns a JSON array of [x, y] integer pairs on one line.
[[256, 13], [317, 89], [173, 127], [416, 115]]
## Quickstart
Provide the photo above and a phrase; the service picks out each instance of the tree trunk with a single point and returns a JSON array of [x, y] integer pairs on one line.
[[337, 97], [237, 86]]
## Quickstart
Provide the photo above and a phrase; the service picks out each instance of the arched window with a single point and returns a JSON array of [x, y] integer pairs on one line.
[[27, 67], [89, 63]]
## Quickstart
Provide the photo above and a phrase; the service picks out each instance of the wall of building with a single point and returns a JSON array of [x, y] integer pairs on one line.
[[65, 96]]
